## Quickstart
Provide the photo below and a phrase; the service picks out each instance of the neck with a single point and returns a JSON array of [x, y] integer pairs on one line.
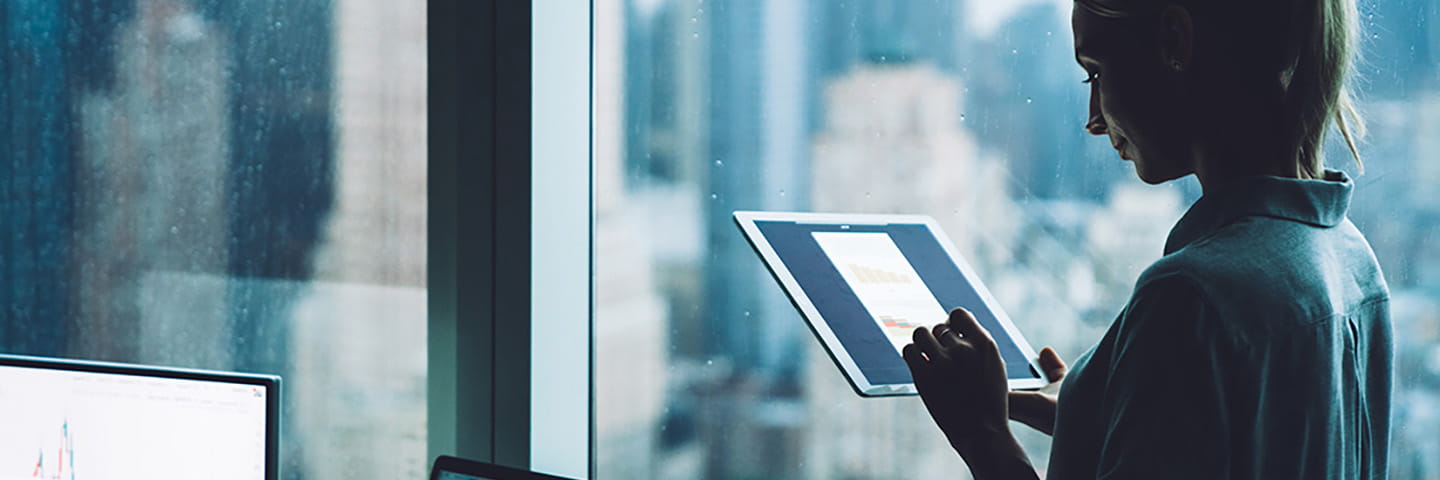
[[1238, 155]]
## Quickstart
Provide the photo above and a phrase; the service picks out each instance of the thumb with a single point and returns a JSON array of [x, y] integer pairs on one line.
[[1052, 365]]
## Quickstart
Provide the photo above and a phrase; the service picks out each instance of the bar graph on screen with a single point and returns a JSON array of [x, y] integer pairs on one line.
[[892, 292], [63, 464]]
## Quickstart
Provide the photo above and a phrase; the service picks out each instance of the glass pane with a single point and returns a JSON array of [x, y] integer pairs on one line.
[[227, 185], [967, 111]]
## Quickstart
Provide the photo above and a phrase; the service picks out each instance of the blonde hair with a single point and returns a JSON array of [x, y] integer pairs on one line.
[[1316, 93], [1319, 57]]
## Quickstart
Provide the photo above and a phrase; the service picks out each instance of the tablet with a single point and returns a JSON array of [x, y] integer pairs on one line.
[[863, 283]]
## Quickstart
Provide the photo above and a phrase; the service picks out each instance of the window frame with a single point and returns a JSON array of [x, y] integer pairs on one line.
[[502, 80]]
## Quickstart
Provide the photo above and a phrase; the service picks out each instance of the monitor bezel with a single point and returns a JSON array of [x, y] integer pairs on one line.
[[270, 382]]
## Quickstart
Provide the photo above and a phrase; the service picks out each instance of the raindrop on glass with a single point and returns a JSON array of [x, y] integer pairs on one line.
[[747, 313], [714, 196], [782, 193], [962, 117], [719, 163], [1029, 100]]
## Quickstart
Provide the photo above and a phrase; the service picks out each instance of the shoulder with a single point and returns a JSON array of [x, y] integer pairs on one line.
[[1259, 275]]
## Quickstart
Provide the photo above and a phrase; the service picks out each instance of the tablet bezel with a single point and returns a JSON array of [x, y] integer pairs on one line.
[[746, 220]]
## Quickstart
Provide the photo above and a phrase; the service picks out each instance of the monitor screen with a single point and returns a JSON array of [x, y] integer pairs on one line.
[[73, 425]]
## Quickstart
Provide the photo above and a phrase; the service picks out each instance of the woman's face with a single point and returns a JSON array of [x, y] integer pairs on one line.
[[1135, 98]]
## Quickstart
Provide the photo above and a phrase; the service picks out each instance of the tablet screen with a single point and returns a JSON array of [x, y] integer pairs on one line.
[[874, 284]]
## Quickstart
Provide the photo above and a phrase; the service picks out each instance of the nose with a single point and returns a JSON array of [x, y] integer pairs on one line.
[[1096, 124]]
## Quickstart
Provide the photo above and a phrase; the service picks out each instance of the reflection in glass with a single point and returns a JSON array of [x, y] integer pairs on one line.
[[226, 185]]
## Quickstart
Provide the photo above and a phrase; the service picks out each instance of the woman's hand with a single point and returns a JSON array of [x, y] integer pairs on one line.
[[961, 378], [1037, 408]]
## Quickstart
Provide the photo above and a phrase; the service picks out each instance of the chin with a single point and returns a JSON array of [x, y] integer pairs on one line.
[[1154, 176]]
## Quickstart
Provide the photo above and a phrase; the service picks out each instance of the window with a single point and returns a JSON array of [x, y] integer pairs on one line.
[[967, 111], [227, 185]]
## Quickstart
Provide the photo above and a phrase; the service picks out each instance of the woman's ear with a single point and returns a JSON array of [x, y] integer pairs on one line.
[[1177, 37]]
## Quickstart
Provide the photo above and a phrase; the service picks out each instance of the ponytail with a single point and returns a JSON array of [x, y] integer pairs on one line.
[[1324, 38]]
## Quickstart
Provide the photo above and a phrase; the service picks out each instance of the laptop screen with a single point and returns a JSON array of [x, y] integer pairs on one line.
[[457, 476], [67, 424]]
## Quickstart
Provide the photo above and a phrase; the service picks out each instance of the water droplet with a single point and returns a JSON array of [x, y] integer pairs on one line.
[[694, 20], [1029, 100], [714, 196], [1374, 35], [174, 230], [1014, 51], [709, 362], [782, 192], [695, 35], [962, 117], [719, 163], [867, 194], [279, 24]]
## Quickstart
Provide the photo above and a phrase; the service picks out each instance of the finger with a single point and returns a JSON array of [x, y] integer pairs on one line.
[[964, 323], [1053, 366], [949, 339], [940, 329], [927, 343], [919, 367], [912, 356]]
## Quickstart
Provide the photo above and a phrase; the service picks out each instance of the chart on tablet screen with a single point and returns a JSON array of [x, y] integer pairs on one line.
[[892, 293]]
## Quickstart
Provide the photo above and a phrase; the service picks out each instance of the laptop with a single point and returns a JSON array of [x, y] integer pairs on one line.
[[452, 468]]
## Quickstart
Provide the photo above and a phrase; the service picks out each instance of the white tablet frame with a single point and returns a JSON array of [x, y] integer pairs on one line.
[[746, 220]]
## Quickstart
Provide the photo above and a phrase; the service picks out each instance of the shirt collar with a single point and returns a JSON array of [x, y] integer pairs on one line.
[[1321, 203]]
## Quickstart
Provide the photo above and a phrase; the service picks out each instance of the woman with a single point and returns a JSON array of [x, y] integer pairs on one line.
[[1259, 346]]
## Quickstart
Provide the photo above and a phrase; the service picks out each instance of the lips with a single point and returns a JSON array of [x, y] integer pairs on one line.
[[1119, 144]]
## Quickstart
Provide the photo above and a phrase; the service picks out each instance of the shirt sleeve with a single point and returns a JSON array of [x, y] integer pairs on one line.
[[1163, 408]]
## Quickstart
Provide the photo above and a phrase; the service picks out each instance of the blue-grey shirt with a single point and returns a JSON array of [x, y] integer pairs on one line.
[[1258, 347]]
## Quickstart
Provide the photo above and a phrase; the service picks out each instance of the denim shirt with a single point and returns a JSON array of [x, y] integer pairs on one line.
[[1258, 347]]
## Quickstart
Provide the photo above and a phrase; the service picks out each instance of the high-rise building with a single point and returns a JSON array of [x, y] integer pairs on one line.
[[37, 167], [893, 142], [150, 210]]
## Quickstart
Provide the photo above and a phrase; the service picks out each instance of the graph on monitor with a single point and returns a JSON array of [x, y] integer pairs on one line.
[[71, 425]]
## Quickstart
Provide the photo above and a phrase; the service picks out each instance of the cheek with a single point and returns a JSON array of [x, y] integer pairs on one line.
[[1140, 113]]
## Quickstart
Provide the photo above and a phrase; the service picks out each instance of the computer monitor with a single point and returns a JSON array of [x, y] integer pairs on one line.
[[72, 420], [452, 468]]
